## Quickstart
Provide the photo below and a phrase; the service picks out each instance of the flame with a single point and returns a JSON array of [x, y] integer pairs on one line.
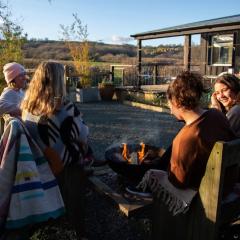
[[125, 153], [141, 153]]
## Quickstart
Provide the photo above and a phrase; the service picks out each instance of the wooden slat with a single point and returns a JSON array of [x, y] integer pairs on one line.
[[139, 56], [210, 193], [204, 55], [187, 52], [206, 212], [237, 52], [127, 207], [187, 32], [102, 171], [215, 70]]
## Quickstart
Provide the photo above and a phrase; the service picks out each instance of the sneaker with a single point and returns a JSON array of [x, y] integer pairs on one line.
[[138, 192]]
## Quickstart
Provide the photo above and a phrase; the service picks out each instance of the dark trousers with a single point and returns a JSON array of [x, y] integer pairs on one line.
[[72, 181]]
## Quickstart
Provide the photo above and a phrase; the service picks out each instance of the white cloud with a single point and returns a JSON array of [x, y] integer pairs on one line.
[[121, 40]]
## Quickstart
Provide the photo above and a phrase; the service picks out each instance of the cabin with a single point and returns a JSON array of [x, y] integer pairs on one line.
[[219, 45]]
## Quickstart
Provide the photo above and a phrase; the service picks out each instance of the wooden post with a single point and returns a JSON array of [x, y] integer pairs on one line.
[[112, 73], [234, 52], [123, 77], [139, 55], [155, 74], [237, 52], [204, 53], [67, 78], [187, 52]]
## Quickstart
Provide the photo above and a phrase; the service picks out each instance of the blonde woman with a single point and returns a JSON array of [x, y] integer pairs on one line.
[[58, 128], [52, 120], [12, 95]]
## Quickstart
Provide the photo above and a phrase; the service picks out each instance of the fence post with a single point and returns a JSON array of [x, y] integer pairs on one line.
[[139, 54], [112, 73], [123, 77], [155, 70]]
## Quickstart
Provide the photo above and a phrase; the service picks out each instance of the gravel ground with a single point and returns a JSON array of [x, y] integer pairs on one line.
[[110, 123]]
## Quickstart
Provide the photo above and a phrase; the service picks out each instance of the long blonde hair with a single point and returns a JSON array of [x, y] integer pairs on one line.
[[46, 86]]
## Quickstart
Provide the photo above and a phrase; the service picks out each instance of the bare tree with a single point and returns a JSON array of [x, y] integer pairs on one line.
[[75, 37]]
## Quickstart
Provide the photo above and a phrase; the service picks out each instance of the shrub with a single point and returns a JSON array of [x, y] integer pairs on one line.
[[11, 43]]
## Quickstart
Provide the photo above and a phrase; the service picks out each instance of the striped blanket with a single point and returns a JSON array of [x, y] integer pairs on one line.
[[28, 190], [63, 137], [177, 200]]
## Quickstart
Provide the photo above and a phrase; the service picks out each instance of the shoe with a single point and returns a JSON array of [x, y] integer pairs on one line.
[[138, 192]]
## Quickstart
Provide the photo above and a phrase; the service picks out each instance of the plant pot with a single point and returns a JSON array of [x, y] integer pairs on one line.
[[72, 93], [106, 92], [90, 94]]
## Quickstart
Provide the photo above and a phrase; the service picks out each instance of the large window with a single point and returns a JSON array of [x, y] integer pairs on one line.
[[221, 50]]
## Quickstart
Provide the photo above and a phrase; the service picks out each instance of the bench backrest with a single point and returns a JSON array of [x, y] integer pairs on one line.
[[206, 213], [224, 158]]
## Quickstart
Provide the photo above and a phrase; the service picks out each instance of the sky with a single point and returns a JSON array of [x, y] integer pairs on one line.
[[113, 21]]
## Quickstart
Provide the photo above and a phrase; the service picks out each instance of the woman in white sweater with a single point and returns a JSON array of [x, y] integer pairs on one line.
[[12, 95]]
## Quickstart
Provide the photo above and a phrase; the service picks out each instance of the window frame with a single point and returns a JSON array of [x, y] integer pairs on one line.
[[230, 58]]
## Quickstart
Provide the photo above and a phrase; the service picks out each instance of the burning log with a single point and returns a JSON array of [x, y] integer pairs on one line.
[[134, 157], [141, 153], [125, 153], [131, 160], [144, 155]]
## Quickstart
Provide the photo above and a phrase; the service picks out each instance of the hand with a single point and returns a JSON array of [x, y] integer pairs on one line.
[[214, 102], [153, 154]]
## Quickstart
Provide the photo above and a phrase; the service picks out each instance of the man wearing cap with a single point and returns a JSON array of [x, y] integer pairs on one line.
[[12, 95]]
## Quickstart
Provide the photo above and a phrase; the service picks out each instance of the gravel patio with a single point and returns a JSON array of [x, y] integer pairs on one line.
[[113, 122], [110, 123]]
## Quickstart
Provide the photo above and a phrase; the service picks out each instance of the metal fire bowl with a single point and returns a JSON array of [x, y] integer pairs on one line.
[[117, 163]]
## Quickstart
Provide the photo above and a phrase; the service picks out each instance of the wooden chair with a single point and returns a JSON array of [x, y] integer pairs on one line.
[[206, 213]]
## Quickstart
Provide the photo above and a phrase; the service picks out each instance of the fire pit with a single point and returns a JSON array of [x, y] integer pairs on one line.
[[133, 160]]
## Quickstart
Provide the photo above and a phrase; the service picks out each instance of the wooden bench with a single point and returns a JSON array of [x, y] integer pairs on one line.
[[129, 206], [206, 213]]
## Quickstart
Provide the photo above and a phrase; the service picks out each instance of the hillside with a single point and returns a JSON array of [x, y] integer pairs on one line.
[[100, 52]]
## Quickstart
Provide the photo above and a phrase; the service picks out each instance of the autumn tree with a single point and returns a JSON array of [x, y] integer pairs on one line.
[[75, 37], [11, 40]]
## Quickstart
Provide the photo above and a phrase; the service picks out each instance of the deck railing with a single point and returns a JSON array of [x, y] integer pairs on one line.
[[151, 74]]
